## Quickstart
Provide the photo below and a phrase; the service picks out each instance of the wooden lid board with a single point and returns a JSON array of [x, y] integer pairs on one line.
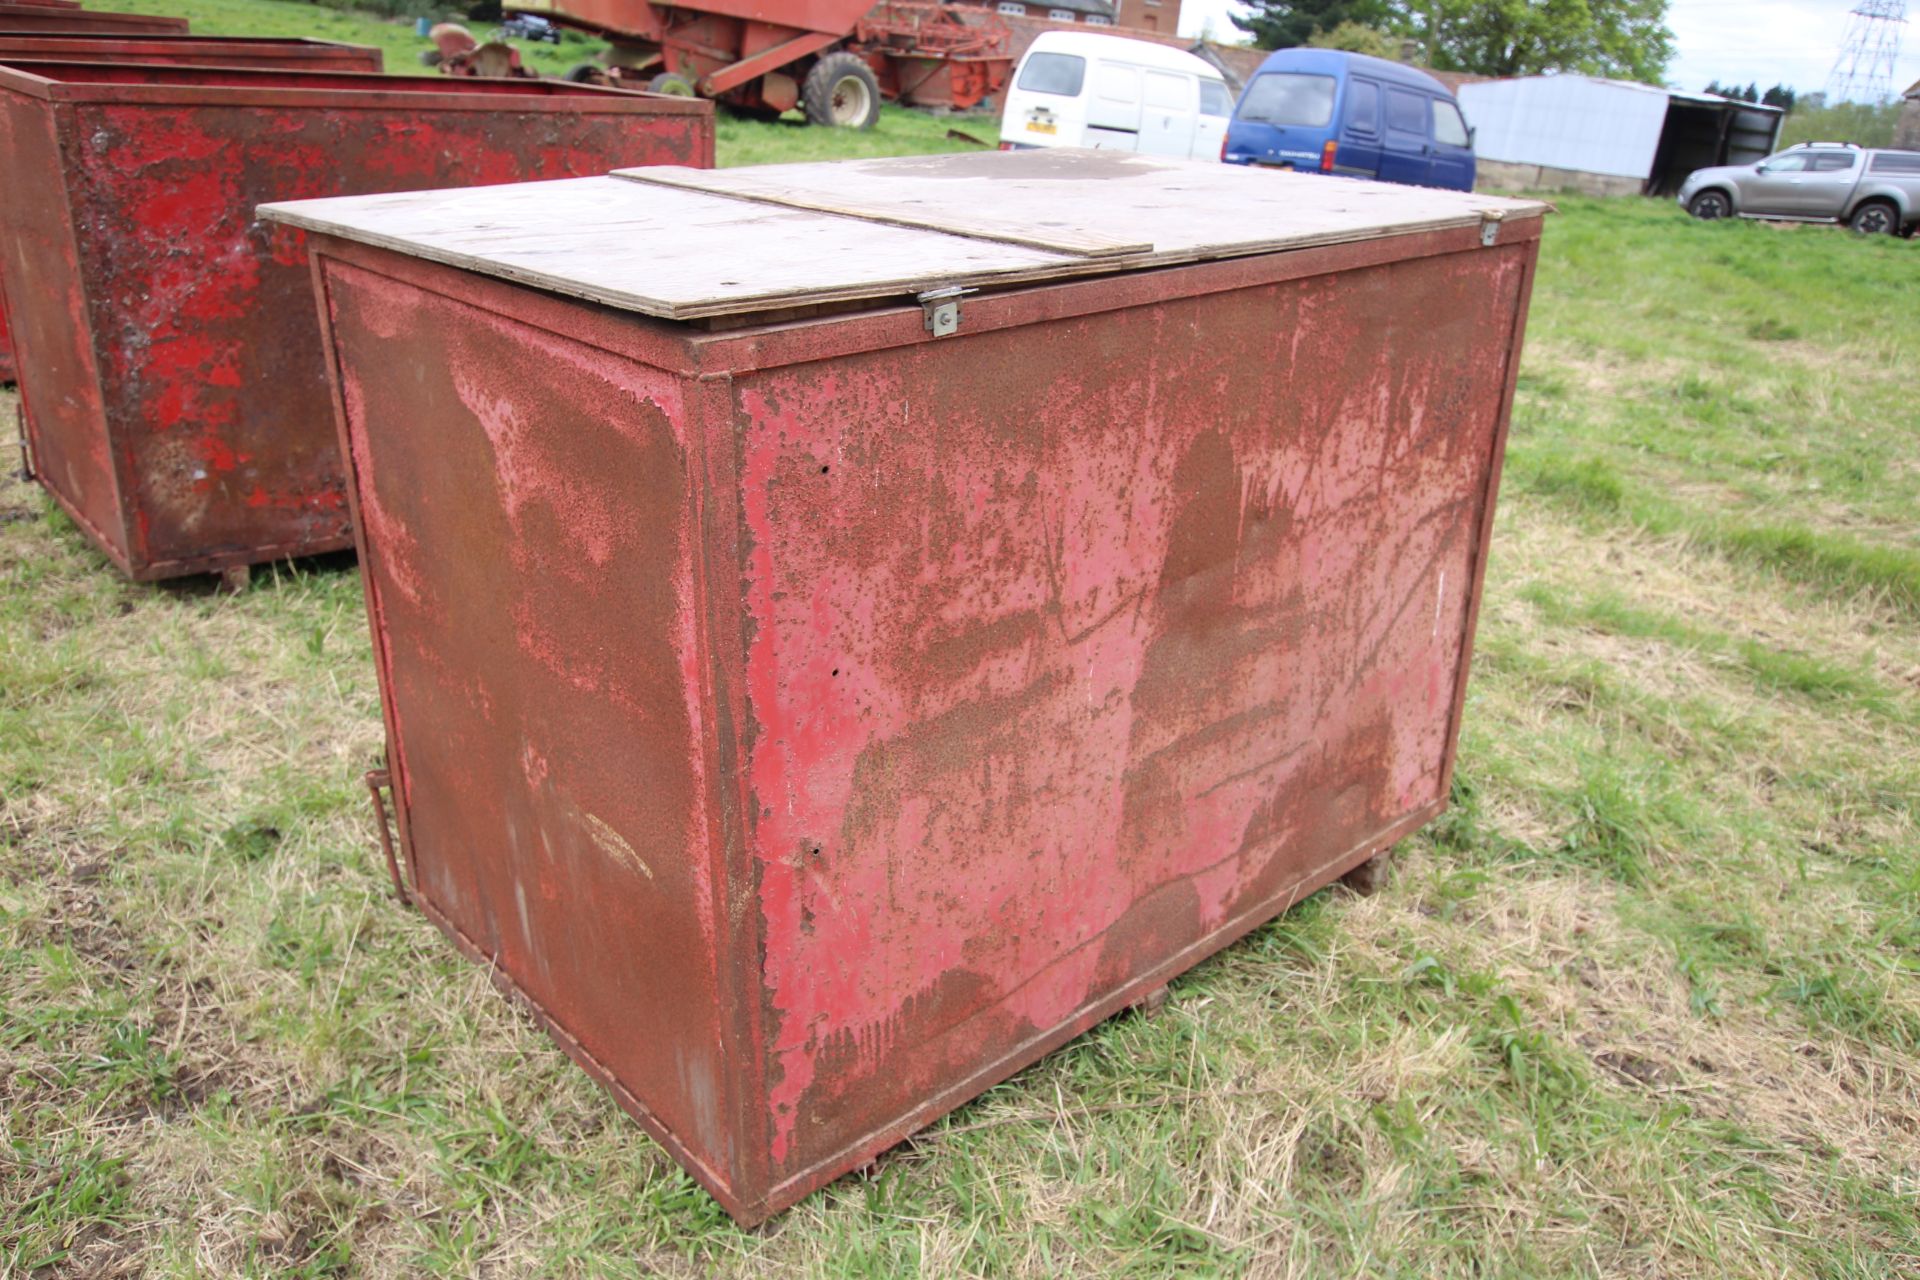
[[684, 244]]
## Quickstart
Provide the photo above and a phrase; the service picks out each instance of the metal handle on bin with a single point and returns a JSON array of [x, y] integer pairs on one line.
[[378, 780]]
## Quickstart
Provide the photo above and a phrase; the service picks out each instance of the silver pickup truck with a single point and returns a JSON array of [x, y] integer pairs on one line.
[[1870, 191]]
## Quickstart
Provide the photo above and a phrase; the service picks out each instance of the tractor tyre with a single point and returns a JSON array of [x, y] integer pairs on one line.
[[841, 91]]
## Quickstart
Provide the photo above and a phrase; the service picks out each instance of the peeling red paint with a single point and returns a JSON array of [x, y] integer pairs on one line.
[[954, 693], [201, 401]]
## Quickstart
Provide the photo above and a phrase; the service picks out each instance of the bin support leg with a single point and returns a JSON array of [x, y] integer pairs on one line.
[[1153, 1002], [235, 577], [1370, 876]]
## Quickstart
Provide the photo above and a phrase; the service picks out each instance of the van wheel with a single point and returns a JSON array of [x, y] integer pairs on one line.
[[1875, 218], [841, 90], [1709, 205]]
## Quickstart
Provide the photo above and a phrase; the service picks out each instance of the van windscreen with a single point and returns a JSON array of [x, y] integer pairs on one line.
[[1061, 73], [1288, 98]]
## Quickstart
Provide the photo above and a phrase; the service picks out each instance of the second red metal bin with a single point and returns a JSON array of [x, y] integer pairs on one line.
[[169, 360], [845, 629], [180, 51]]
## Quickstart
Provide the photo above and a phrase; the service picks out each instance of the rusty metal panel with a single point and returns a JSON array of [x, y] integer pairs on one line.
[[167, 347], [910, 703], [291, 54], [21, 18], [178, 50]]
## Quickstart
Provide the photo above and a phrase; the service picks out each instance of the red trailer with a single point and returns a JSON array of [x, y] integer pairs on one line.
[[25, 18], [169, 361], [835, 59], [820, 689]]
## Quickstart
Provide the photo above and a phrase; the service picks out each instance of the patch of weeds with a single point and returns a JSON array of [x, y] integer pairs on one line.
[[61, 1204], [252, 839], [1615, 815], [1768, 329], [1845, 1001], [1591, 484]]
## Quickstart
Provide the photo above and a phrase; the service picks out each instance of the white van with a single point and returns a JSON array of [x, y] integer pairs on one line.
[[1074, 90]]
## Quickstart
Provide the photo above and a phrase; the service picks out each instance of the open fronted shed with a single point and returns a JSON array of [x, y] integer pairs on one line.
[[1607, 137]]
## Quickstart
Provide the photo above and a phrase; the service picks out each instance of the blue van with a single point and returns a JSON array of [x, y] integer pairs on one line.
[[1329, 111]]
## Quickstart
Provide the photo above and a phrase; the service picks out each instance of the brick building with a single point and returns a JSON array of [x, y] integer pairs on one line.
[[1157, 17]]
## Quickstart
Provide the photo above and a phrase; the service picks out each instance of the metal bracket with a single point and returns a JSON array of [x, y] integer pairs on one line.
[[1489, 232], [378, 781], [940, 310], [26, 445]]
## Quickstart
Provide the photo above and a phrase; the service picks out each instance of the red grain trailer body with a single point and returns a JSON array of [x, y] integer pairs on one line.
[[177, 50], [169, 360], [25, 18], [820, 690]]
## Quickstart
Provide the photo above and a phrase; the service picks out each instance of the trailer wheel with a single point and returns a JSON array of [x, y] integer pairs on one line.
[[841, 90], [587, 73], [673, 84]]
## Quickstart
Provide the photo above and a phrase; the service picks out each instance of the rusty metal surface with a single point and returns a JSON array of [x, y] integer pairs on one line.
[[292, 54], [23, 18], [815, 723], [166, 341]]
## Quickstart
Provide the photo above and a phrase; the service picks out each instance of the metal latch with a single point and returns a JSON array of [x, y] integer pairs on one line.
[[1489, 232], [940, 310]]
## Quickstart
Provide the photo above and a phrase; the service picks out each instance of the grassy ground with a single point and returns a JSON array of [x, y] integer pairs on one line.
[[1645, 1002]]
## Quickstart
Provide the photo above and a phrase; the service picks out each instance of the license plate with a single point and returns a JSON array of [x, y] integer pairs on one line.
[[1041, 126]]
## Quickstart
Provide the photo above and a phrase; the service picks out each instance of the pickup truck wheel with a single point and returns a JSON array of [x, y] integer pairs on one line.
[[1875, 218], [841, 90], [1709, 205]]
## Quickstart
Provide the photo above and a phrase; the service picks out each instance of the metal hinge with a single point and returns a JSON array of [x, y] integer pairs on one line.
[[940, 310], [1489, 232]]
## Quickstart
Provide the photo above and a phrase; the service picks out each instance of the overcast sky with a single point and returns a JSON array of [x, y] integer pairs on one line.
[[1768, 41]]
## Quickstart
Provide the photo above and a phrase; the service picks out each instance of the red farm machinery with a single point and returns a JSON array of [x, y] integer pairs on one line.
[[834, 59]]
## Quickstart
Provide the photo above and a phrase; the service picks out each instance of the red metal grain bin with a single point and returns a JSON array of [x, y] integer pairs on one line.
[[18, 18], [190, 51], [291, 54], [818, 703], [168, 354]]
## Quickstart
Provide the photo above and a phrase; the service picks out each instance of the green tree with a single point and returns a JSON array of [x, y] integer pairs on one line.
[[1627, 39], [1357, 37], [1282, 24]]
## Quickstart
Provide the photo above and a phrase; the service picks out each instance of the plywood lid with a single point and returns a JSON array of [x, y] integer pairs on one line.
[[689, 243]]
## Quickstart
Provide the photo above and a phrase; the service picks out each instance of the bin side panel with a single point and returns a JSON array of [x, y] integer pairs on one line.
[[47, 324], [1075, 646], [526, 524], [207, 338]]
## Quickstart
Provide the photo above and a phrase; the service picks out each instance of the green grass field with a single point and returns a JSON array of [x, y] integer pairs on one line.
[[1645, 1002]]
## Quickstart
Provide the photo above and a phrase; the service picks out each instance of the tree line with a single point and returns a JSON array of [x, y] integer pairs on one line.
[[1627, 39]]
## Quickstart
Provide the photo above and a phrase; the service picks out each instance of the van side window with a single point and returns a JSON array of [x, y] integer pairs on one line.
[[1406, 112], [1214, 99], [1061, 73], [1448, 127], [1363, 106]]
